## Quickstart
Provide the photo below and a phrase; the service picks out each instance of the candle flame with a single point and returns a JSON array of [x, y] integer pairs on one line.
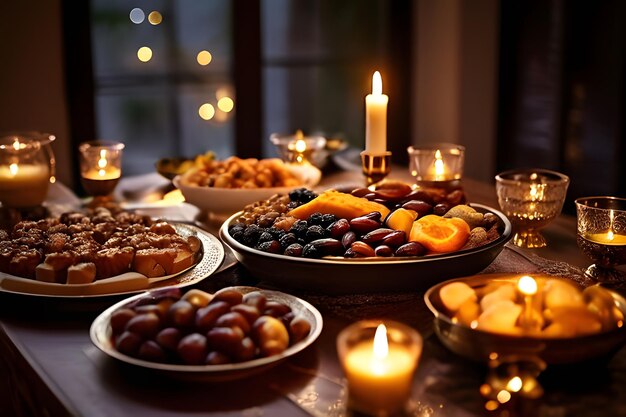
[[439, 167], [101, 172], [377, 84], [610, 235], [16, 145], [381, 347], [13, 168], [527, 285], [102, 162], [300, 146], [514, 384]]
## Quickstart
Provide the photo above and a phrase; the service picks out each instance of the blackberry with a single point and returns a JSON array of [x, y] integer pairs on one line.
[[328, 219], [315, 232], [271, 246], [310, 251], [315, 219], [265, 237], [299, 228], [287, 239], [294, 249]]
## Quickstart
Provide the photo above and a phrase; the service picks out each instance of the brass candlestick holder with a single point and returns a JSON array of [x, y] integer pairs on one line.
[[375, 166]]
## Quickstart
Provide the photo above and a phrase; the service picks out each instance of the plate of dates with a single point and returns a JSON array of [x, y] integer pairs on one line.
[[390, 240], [232, 334]]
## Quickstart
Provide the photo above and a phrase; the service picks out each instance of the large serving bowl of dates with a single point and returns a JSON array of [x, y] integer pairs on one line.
[[225, 186], [234, 333], [483, 317], [392, 239]]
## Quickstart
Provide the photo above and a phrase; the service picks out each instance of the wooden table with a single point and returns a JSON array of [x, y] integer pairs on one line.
[[50, 367]]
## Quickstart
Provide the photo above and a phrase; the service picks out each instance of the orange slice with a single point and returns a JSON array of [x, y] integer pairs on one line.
[[440, 235]]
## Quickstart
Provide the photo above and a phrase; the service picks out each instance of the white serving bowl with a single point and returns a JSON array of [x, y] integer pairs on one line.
[[226, 201]]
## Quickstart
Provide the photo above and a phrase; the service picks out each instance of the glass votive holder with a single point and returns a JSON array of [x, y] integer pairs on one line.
[[379, 360], [601, 235], [26, 169], [299, 149], [100, 166], [531, 199], [437, 166]]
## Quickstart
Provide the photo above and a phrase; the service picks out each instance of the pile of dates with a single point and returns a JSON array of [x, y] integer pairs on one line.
[[197, 328], [323, 235]]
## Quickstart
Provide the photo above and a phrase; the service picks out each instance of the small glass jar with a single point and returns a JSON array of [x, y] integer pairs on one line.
[[437, 166], [100, 166]]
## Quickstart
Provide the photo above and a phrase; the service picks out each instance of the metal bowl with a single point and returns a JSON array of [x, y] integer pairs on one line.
[[480, 345], [366, 275]]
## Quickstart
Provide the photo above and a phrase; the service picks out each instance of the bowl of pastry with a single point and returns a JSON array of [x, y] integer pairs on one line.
[[554, 319], [225, 186]]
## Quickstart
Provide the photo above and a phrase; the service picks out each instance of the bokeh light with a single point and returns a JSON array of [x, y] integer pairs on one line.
[[225, 104], [155, 18], [137, 15], [144, 54], [206, 111], [204, 57]]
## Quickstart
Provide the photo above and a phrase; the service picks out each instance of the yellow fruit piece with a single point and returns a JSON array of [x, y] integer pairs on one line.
[[501, 318], [468, 312], [453, 295], [401, 219], [559, 293], [571, 321], [440, 235], [341, 205], [505, 292]]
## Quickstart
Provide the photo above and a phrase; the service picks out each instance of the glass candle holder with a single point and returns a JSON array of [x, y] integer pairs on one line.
[[379, 361], [100, 166], [375, 166], [601, 235], [531, 199], [437, 166], [300, 149], [26, 168]]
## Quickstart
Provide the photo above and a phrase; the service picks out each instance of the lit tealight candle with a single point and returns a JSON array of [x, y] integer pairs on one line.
[[380, 371], [610, 237], [376, 118], [298, 147]]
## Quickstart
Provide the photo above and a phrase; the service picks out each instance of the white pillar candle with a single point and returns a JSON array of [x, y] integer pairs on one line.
[[376, 117]]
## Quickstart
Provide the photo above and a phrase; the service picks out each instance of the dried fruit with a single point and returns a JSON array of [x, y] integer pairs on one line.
[[439, 234], [411, 249], [363, 224], [339, 204]]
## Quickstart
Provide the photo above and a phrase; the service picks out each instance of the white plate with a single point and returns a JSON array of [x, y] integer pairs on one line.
[[101, 336], [129, 283]]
